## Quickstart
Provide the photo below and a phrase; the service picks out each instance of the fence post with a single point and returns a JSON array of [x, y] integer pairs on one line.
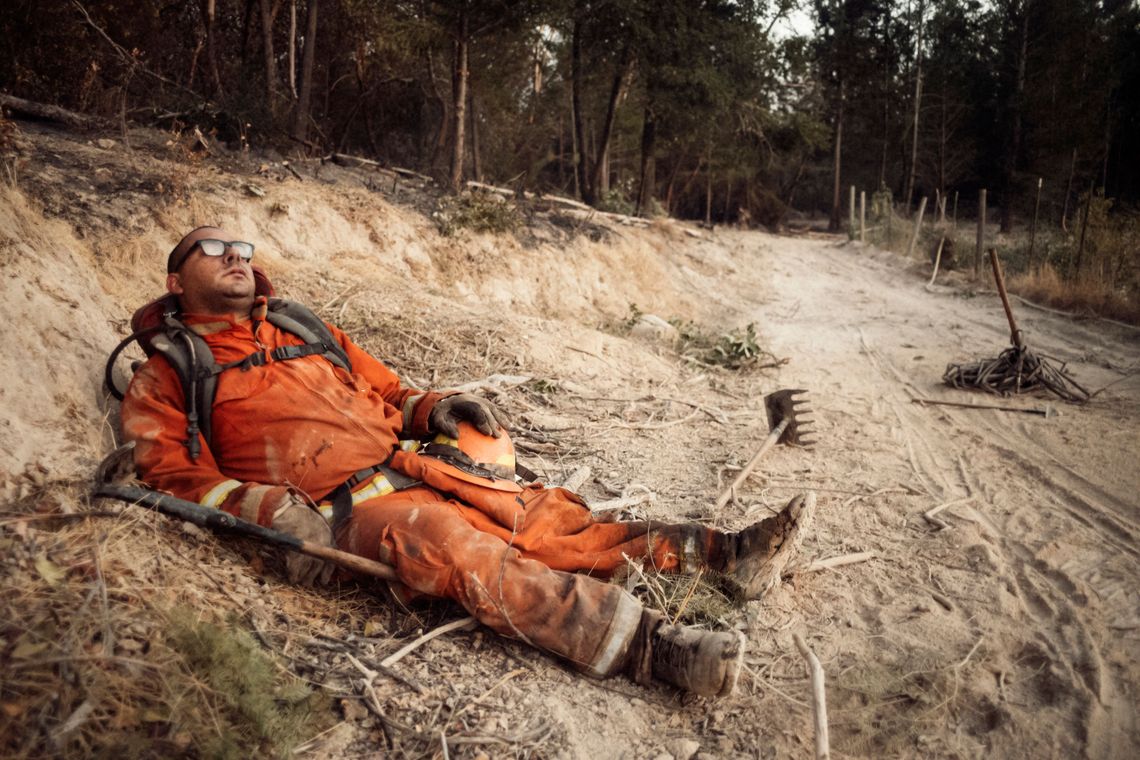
[[917, 227], [1084, 226], [981, 232], [1033, 227], [862, 216], [851, 214]]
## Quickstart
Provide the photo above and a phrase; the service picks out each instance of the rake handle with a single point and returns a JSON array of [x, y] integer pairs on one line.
[[1014, 332], [223, 522], [768, 443]]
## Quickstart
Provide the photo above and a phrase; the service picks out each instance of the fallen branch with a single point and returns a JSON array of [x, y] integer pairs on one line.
[[51, 113], [818, 698], [467, 622]]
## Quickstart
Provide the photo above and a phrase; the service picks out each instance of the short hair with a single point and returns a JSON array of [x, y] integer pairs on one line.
[[179, 252]]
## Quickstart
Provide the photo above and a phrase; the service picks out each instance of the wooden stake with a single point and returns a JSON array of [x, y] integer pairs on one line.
[[937, 261], [917, 227], [863, 216], [981, 232], [851, 214], [818, 698]]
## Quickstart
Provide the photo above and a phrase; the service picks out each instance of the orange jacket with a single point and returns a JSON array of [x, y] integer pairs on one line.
[[301, 423]]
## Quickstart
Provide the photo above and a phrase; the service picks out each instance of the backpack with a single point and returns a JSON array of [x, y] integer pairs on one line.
[[157, 329]]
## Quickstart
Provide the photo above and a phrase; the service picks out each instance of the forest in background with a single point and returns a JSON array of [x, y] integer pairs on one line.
[[704, 109]]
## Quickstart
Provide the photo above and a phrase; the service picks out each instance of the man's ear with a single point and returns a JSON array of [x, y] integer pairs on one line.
[[174, 284]]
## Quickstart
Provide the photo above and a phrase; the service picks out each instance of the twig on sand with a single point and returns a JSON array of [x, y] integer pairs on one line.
[[931, 515], [830, 562], [818, 698], [577, 478], [392, 659], [631, 499], [880, 492]]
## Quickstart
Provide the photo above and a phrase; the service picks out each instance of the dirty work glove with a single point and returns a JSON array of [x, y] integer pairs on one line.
[[297, 518], [480, 412]]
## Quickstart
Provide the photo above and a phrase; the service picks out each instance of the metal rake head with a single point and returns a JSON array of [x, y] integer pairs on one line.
[[785, 409]]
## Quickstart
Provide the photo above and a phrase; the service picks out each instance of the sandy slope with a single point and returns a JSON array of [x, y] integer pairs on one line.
[[1011, 632]]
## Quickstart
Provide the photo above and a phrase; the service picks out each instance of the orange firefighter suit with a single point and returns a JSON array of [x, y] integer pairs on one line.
[[520, 562]]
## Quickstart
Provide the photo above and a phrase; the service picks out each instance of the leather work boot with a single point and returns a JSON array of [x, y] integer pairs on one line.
[[763, 550], [706, 663]]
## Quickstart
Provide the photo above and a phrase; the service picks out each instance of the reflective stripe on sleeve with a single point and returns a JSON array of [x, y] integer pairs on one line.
[[216, 495], [377, 486], [409, 409]]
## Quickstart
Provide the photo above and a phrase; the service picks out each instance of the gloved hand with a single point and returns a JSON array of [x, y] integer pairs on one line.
[[480, 412], [297, 518]]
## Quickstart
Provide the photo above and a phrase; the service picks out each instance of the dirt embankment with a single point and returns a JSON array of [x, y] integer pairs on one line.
[[1011, 631]]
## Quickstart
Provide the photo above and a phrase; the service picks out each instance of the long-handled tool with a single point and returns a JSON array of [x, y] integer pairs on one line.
[[785, 424], [217, 520], [1045, 411]]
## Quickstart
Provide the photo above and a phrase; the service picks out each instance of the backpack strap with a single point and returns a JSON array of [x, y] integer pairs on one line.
[[300, 320], [193, 361], [158, 330]]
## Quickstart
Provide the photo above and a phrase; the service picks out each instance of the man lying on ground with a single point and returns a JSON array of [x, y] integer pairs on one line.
[[309, 434]]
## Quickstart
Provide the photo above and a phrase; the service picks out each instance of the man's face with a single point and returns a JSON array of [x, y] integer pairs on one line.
[[213, 284]]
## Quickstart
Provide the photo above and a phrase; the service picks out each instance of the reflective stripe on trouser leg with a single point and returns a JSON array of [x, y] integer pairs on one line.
[[614, 646]]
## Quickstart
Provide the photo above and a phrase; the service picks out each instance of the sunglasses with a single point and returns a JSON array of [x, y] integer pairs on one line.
[[212, 247]]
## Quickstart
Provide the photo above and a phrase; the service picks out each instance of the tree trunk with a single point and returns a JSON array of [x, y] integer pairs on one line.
[[611, 116], [301, 114], [210, 10], [293, 49], [584, 178], [648, 169], [268, 13], [836, 212], [1010, 161], [917, 108], [459, 118]]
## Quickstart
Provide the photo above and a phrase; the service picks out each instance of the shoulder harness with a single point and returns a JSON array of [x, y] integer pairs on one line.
[[158, 329]]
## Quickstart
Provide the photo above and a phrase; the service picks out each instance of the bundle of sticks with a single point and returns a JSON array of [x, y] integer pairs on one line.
[[1017, 369]]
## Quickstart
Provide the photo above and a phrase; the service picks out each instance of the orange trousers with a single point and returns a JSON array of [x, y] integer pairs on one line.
[[531, 582]]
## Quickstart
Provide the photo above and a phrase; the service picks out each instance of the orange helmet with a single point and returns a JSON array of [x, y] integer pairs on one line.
[[475, 458]]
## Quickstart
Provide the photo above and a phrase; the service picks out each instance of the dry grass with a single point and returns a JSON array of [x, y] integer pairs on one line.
[[1101, 280], [102, 656], [1089, 294]]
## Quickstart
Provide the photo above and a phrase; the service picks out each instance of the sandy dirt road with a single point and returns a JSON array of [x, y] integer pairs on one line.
[[1013, 630]]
